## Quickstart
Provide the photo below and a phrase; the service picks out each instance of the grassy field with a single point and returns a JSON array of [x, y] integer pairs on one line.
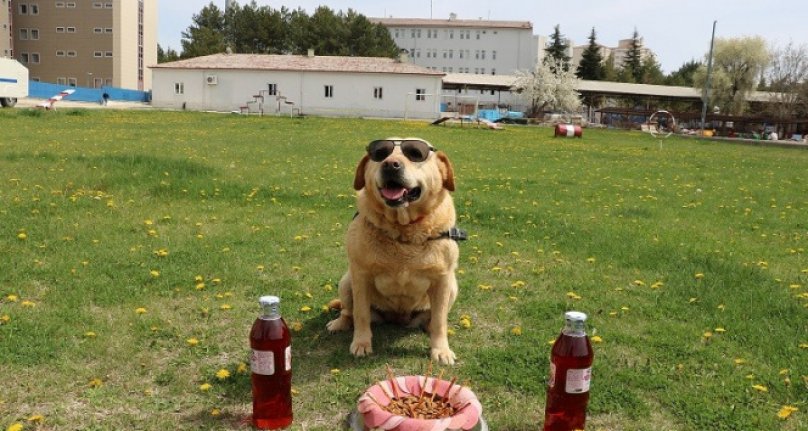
[[134, 246]]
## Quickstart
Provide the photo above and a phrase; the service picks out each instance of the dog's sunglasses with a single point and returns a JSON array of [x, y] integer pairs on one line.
[[416, 150]]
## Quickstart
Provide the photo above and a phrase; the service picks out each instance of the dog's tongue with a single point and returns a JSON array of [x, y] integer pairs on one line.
[[393, 193]]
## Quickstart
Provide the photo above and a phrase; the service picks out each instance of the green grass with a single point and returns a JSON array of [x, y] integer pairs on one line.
[[659, 242]]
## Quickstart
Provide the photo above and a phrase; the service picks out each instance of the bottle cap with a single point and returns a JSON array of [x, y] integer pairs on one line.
[[269, 300], [575, 316]]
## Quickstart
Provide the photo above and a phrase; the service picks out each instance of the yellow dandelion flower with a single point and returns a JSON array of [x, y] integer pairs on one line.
[[450, 332], [15, 427], [305, 309], [22, 236], [518, 283], [5, 319], [613, 313], [12, 298], [151, 232], [573, 295], [794, 286], [596, 339], [192, 342], [198, 279], [216, 281], [485, 286], [242, 368], [516, 330], [721, 307], [786, 411], [90, 334], [222, 374], [720, 330], [215, 412], [296, 326], [200, 286], [692, 300], [551, 342], [739, 361], [760, 388], [465, 321], [335, 371], [204, 387], [28, 304], [698, 276], [36, 418], [95, 383], [657, 285], [707, 334], [161, 252], [154, 273], [803, 345], [225, 307], [783, 372], [140, 310], [260, 268], [639, 283], [591, 260]]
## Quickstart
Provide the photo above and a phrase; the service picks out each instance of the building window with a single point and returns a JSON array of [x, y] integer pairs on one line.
[[34, 34], [34, 9], [98, 5], [272, 89], [98, 54], [23, 34], [60, 4], [107, 5], [98, 82], [72, 82], [24, 57], [482, 55], [179, 88], [108, 30], [420, 94], [493, 55], [60, 29], [108, 54], [35, 58], [61, 81], [478, 34], [60, 53], [493, 71], [71, 53], [329, 91], [23, 9], [377, 92], [71, 29], [98, 30], [70, 4]]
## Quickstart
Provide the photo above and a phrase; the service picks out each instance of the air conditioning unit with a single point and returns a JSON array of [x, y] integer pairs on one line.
[[211, 79]]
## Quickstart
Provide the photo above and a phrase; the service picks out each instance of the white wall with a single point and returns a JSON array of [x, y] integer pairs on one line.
[[352, 92]]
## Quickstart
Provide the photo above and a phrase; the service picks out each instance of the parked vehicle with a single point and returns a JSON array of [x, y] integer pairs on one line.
[[13, 82]]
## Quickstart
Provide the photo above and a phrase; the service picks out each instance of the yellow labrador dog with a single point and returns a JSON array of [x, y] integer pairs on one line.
[[401, 245]]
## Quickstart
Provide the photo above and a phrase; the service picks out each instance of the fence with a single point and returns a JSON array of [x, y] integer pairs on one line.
[[44, 90]]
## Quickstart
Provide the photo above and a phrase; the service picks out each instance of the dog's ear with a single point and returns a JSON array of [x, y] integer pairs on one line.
[[446, 171], [359, 178]]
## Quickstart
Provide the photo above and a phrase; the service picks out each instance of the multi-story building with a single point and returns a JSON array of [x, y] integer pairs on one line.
[[618, 53], [86, 43], [481, 47], [5, 29]]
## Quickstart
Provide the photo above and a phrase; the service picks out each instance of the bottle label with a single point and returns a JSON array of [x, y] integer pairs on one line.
[[578, 380], [288, 357], [262, 362]]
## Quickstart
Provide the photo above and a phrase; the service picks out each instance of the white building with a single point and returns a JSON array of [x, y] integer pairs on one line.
[[619, 52], [454, 45], [286, 84]]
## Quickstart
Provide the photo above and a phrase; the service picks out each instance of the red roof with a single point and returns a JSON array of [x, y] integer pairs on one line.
[[298, 63]]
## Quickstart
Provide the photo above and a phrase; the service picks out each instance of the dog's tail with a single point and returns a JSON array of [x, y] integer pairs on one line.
[[335, 304]]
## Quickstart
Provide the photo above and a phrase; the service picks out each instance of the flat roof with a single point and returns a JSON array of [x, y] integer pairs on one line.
[[299, 63], [459, 23], [503, 82]]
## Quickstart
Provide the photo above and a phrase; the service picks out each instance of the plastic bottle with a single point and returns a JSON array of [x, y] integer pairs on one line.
[[271, 366], [570, 376]]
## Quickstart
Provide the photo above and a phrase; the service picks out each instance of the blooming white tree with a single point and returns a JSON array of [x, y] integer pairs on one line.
[[544, 89]]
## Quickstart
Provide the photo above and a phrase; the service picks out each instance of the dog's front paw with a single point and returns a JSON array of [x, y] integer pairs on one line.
[[341, 323], [361, 347], [443, 356]]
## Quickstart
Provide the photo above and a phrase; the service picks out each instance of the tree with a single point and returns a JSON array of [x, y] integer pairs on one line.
[[787, 74], [255, 29], [166, 56], [683, 77], [548, 86], [591, 66], [632, 63], [651, 71], [556, 51], [206, 33], [737, 64]]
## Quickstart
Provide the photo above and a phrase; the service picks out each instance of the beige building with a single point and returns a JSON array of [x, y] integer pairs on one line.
[[619, 52], [5, 29], [86, 43]]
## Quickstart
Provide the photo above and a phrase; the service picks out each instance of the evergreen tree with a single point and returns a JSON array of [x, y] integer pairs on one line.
[[556, 51], [683, 77], [206, 34], [651, 71], [632, 63], [610, 73], [165, 56], [591, 66]]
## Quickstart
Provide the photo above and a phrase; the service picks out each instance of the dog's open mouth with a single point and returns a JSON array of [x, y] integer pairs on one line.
[[395, 194]]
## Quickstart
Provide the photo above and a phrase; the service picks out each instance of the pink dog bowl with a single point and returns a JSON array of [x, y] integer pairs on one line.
[[373, 417]]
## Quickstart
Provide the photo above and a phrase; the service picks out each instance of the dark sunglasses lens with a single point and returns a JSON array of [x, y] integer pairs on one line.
[[379, 150], [416, 151]]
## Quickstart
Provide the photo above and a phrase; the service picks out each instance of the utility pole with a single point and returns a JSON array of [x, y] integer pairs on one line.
[[705, 95]]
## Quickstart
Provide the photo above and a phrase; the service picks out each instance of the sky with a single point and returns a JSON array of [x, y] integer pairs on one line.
[[676, 31]]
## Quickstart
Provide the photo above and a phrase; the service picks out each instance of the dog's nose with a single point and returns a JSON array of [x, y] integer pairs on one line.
[[391, 165]]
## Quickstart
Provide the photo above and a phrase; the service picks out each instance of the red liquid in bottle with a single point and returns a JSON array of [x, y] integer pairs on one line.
[[271, 370], [570, 374]]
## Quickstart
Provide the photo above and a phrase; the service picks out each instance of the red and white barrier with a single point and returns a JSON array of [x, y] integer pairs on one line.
[[568, 130]]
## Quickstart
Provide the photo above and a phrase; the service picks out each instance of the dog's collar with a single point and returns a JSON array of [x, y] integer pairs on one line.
[[453, 234]]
